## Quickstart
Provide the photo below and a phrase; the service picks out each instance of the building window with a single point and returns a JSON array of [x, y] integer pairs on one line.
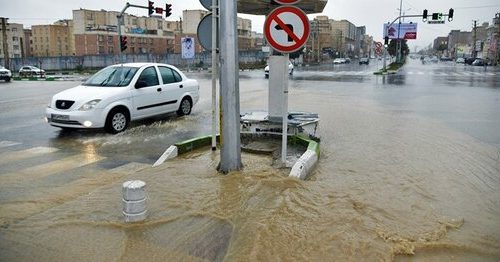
[[100, 38], [101, 49], [160, 24], [15, 38], [15, 47], [90, 16], [14, 29], [110, 39], [110, 49]]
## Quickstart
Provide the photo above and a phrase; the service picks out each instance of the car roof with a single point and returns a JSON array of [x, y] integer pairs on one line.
[[139, 65]]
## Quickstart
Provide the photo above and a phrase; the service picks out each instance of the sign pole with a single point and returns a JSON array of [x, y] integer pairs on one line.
[[214, 74], [285, 111]]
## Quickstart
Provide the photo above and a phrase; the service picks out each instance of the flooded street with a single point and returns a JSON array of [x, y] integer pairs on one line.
[[409, 170]]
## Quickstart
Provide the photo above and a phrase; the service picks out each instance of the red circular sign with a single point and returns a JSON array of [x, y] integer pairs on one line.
[[287, 29], [286, 2]]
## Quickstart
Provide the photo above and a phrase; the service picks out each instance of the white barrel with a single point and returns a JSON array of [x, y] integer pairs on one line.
[[134, 207], [134, 200], [134, 190], [135, 217]]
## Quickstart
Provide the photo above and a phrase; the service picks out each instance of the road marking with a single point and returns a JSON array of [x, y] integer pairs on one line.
[[8, 144], [410, 73], [420, 73], [47, 169], [24, 154]]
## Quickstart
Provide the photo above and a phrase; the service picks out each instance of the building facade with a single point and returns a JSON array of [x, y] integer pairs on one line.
[[53, 40], [11, 40], [96, 33]]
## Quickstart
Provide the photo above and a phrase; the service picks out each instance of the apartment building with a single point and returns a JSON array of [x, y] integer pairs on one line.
[[13, 37], [53, 40], [96, 33]]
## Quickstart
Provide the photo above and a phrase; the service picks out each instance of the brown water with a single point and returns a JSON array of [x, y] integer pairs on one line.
[[390, 185]]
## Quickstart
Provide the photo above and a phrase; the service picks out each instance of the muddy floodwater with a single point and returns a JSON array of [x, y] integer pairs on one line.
[[409, 170]]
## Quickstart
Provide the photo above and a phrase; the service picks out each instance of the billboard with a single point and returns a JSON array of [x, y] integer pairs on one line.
[[401, 31], [187, 44]]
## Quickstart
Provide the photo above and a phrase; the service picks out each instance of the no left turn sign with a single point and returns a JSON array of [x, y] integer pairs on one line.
[[287, 29]]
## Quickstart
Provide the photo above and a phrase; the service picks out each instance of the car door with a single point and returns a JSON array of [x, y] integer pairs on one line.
[[147, 91], [173, 87]]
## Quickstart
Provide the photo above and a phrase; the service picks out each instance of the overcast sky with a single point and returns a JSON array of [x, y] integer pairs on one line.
[[370, 13]]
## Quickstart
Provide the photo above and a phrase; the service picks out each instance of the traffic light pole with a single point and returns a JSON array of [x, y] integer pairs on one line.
[[120, 20]]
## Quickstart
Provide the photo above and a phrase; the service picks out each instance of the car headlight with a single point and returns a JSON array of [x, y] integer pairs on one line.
[[89, 105]]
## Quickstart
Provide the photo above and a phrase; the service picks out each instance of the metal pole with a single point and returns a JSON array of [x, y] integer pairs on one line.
[[230, 157], [398, 54], [214, 74], [285, 112]]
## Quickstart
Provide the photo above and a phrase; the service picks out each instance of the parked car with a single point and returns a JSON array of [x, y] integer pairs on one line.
[[460, 60], [347, 60], [290, 69], [364, 60], [5, 74], [337, 61], [469, 60], [31, 71], [118, 94], [478, 62]]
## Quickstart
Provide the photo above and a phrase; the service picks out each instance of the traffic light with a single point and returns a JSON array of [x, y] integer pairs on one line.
[[450, 15], [168, 10], [123, 43], [151, 7], [386, 41], [424, 16]]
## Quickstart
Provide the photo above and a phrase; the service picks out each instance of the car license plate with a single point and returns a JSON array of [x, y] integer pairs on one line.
[[59, 117]]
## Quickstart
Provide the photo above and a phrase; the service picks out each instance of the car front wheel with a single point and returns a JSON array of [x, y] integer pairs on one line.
[[117, 121], [185, 107]]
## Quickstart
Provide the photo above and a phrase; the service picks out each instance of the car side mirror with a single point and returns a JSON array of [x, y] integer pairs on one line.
[[140, 84]]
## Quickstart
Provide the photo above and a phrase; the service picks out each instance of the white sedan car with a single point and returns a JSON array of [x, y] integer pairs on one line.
[[5, 74], [290, 69], [122, 93]]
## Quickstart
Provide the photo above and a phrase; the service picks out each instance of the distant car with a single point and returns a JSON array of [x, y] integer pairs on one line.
[[31, 71], [290, 69], [122, 93], [337, 61], [469, 60], [460, 60], [5, 74], [364, 60], [478, 62], [347, 60]]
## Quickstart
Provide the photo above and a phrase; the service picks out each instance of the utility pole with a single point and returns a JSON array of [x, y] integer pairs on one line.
[[5, 47], [230, 153], [497, 37], [474, 39]]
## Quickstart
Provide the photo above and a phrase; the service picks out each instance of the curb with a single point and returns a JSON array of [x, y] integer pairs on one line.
[[35, 79], [301, 169]]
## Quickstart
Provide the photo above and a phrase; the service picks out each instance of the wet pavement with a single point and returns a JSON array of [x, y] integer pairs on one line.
[[409, 169]]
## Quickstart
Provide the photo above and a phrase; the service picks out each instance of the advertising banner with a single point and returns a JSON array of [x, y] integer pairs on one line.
[[187, 44], [401, 31]]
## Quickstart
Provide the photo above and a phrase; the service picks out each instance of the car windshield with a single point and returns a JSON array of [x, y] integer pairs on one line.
[[112, 76]]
